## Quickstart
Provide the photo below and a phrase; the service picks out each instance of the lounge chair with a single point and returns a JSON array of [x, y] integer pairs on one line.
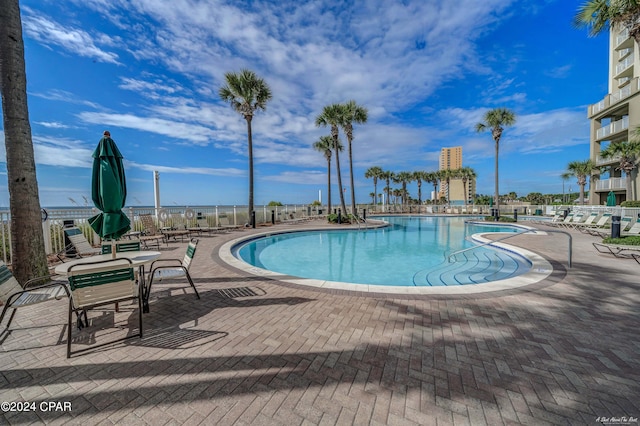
[[587, 222], [78, 243], [151, 230], [600, 227], [101, 283], [223, 223], [203, 226], [562, 222], [633, 231], [577, 219], [14, 296], [174, 268], [618, 250]]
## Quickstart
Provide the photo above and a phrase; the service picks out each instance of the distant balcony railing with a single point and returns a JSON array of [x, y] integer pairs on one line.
[[600, 160], [611, 184], [613, 128]]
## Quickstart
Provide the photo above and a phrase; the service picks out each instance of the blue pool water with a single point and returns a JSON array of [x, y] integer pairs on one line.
[[408, 253]]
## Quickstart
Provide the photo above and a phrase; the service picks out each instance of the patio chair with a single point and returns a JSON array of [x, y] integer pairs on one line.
[[634, 230], [174, 268], [14, 296], [203, 226], [101, 283], [78, 243], [576, 219]]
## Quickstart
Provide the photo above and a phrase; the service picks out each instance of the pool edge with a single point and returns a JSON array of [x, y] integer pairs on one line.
[[540, 270]]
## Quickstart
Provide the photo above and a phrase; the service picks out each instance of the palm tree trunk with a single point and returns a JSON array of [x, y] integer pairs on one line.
[[419, 193], [335, 144], [582, 193], [353, 190], [496, 196], [375, 192], [329, 186], [250, 151], [29, 259]]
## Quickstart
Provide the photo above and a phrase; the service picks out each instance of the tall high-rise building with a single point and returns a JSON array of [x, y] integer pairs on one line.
[[614, 116], [451, 159]]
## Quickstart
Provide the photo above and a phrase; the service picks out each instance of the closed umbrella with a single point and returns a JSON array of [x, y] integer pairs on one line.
[[109, 190], [611, 199]]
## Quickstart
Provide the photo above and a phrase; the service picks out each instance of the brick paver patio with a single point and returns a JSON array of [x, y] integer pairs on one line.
[[256, 351]]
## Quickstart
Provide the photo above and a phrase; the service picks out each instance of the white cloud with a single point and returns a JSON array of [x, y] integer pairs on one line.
[[50, 33]]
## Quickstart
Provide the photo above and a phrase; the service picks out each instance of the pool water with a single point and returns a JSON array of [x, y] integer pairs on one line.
[[408, 253]]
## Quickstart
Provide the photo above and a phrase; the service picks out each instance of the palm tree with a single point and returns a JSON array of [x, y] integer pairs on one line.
[[495, 120], [599, 15], [325, 146], [403, 178], [433, 178], [628, 151], [467, 174], [352, 113], [27, 240], [246, 93], [447, 175], [419, 177], [374, 173], [581, 170], [331, 115], [387, 176]]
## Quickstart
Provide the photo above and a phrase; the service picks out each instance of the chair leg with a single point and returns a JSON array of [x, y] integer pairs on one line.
[[69, 327], [4, 311], [191, 282]]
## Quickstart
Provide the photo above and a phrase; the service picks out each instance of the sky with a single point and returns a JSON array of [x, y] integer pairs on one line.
[[149, 71]]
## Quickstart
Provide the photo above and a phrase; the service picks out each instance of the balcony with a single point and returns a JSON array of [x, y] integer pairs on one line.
[[601, 161], [613, 128], [624, 52], [611, 184], [624, 65], [622, 36], [615, 97]]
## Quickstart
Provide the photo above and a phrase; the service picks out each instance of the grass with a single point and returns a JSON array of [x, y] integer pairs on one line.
[[626, 241]]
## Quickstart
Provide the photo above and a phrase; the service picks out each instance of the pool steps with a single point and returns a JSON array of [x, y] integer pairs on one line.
[[470, 268]]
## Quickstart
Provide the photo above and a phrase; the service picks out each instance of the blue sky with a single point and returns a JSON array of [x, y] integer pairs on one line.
[[149, 71]]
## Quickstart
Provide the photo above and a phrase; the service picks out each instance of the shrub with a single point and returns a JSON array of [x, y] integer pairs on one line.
[[333, 218], [500, 219], [630, 204], [274, 203], [632, 240]]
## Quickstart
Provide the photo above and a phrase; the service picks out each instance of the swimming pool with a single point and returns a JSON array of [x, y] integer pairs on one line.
[[404, 254]]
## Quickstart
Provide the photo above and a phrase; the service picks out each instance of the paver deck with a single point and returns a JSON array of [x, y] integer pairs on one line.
[[257, 351]]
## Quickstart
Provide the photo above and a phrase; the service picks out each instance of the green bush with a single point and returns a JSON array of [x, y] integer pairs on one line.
[[274, 203], [630, 204], [500, 219], [333, 218], [627, 241]]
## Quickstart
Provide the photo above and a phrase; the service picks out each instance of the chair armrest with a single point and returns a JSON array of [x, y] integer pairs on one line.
[[178, 262], [29, 285]]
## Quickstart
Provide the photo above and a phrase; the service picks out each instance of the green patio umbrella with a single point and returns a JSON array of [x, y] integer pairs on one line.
[[611, 199], [109, 190]]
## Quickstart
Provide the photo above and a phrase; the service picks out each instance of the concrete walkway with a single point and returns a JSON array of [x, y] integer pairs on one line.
[[257, 351]]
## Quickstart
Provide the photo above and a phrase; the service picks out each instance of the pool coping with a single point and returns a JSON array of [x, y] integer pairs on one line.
[[540, 270]]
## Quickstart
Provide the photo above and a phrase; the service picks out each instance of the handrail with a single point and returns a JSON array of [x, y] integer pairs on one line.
[[487, 243], [516, 234]]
